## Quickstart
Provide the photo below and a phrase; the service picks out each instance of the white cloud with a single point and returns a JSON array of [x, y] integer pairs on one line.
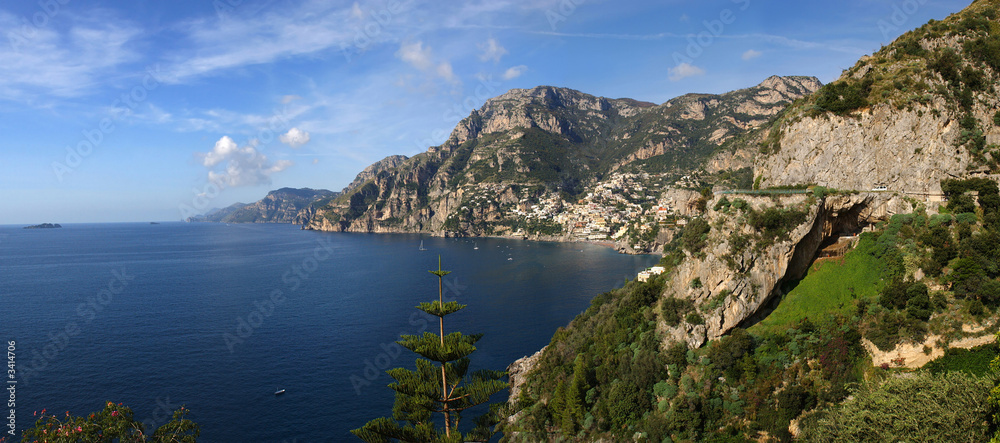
[[224, 148], [751, 54], [415, 54], [684, 70], [420, 57], [492, 51], [244, 166], [514, 72], [286, 99], [295, 137]]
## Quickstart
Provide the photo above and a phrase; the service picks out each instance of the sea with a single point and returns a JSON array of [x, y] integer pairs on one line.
[[219, 317]]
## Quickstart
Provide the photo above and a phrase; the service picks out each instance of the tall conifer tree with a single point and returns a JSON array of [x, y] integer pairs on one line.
[[440, 384]]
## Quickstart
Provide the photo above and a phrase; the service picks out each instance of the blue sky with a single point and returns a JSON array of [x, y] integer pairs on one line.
[[144, 110]]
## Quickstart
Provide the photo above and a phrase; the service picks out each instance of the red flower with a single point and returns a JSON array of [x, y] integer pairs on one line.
[[114, 413]]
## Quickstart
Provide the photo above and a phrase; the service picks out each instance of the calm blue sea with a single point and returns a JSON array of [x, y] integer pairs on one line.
[[217, 317]]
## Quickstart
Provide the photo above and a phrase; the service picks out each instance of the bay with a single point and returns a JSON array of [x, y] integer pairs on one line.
[[156, 316]]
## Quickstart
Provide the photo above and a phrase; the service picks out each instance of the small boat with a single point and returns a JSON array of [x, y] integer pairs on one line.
[[476, 247], [510, 258], [279, 392], [422, 248]]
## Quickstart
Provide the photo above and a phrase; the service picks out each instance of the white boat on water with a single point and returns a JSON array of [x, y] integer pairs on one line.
[[422, 248], [476, 247], [279, 392]]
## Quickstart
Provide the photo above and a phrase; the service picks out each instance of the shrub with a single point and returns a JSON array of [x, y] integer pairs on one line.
[[727, 352], [773, 223], [695, 235], [694, 318], [672, 310], [947, 65], [844, 97], [696, 283], [951, 407]]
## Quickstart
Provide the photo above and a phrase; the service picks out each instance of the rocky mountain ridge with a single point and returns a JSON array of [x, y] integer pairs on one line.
[[285, 205], [546, 144]]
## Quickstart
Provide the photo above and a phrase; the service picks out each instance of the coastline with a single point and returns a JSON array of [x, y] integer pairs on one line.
[[621, 248]]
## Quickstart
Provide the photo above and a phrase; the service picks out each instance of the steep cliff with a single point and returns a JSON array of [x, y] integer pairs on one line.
[[547, 144], [918, 111], [372, 170], [285, 205], [746, 259]]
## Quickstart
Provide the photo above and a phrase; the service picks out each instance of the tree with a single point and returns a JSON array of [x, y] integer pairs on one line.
[[440, 384], [116, 423]]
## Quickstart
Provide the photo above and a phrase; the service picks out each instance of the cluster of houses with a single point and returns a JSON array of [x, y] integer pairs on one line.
[[649, 273], [623, 205]]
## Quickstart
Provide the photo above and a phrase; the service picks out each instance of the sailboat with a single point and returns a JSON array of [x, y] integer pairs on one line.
[[476, 247], [279, 392], [422, 248]]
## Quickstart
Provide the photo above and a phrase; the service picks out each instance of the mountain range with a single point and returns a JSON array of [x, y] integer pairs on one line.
[[285, 205], [547, 144]]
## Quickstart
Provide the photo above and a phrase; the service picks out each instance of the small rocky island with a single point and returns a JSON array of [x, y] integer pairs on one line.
[[44, 226]]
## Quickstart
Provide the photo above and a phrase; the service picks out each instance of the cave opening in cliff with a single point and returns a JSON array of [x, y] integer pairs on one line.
[[832, 236]]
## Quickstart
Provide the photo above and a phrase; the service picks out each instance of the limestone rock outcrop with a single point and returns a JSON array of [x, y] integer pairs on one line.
[[748, 280]]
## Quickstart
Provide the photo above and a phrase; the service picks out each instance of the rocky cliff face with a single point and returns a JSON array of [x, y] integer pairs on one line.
[[744, 280], [530, 144], [285, 205], [372, 170], [918, 111], [908, 151]]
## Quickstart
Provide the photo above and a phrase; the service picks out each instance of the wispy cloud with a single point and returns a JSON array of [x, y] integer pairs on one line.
[[750, 55], [684, 70], [767, 38], [421, 57], [210, 45], [68, 62], [492, 50], [514, 72]]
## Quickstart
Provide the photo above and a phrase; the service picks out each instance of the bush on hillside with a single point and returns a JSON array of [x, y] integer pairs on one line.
[[925, 407]]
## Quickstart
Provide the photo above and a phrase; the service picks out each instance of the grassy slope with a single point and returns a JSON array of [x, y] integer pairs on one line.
[[830, 288]]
